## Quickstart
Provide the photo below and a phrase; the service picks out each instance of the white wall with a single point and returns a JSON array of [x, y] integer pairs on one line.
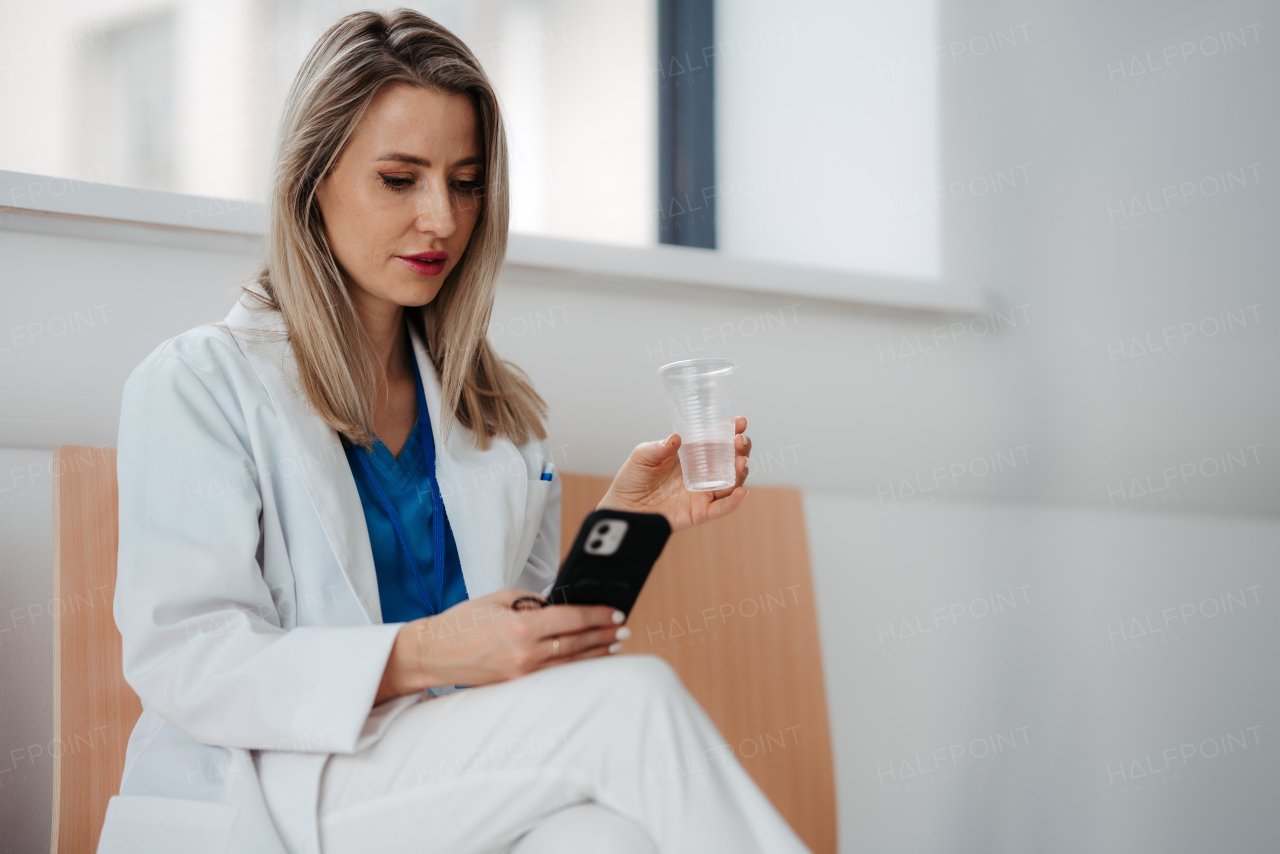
[[81, 313], [994, 671], [26, 649]]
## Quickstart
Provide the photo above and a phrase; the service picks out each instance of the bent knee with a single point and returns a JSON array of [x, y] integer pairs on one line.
[[645, 672], [626, 678]]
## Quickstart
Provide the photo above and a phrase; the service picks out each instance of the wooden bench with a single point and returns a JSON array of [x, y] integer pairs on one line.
[[729, 605]]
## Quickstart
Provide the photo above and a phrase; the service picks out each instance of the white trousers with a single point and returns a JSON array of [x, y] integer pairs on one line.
[[607, 755]]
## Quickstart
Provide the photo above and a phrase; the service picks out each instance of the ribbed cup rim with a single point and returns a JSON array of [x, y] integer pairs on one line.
[[714, 366]]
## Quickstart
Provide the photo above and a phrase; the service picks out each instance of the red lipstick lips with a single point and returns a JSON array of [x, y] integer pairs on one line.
[[425, 263]]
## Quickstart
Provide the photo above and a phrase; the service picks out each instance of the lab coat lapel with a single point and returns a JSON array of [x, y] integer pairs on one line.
[[317, 450], [484, 492]]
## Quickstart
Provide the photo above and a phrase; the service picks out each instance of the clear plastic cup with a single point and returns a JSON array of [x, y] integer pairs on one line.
[[700, 394]]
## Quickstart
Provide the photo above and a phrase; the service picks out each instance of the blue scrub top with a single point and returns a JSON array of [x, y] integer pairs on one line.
[[404, 480]]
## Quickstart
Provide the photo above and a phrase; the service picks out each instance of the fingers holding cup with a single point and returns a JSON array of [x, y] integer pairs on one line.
[[742, 449]]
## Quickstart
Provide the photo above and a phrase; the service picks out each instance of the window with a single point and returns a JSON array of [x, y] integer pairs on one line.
[[827, 135], [188, 100], [123, 120], [802, 133]]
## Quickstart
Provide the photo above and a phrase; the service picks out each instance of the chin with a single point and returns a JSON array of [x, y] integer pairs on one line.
[[417, 294]]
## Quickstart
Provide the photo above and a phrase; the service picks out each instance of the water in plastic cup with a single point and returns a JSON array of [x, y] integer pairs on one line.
[[700, 394]]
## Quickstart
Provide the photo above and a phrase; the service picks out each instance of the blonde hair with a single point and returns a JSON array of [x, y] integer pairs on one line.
[[350, 63]]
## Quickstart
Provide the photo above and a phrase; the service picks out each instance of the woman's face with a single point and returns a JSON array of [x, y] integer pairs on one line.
[[403, 198]]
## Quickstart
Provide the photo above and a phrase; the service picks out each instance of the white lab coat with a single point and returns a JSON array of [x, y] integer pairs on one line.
[[246, 593]]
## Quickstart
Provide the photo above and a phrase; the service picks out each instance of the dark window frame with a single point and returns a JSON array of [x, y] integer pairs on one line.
[[686, 123]]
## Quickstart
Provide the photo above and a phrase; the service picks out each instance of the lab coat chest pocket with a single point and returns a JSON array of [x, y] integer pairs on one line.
[[534, 505], [140, 824]]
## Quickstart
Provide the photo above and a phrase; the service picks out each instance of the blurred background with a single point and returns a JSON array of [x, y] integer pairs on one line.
[[1001, 277], [185, 96]]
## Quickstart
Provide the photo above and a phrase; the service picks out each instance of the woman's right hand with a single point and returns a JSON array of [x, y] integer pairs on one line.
[[485, 640]]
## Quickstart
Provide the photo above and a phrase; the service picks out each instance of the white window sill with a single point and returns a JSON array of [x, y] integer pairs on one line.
[[39, 203]]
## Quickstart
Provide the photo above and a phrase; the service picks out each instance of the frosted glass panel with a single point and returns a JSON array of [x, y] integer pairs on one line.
[[186, 97], [827, 141]]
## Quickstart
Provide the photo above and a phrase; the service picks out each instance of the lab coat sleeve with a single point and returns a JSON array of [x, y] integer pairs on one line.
[[203, 642]]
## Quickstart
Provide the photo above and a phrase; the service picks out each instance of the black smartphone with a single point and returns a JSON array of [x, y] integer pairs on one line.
[[611, 559]]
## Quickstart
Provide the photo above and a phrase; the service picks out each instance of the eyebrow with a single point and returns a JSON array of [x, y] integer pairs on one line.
[[401, 157]]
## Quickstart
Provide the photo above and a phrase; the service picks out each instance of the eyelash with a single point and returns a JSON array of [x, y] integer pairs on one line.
[[399, 185]]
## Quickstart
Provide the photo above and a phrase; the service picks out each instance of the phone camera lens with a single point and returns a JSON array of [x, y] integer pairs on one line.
[[595, 544], [603, 529]]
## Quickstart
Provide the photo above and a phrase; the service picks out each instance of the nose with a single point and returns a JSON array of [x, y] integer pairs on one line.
[[435, 209]]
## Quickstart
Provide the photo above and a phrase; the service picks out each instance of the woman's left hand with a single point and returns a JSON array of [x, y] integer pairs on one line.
[[651, 481]]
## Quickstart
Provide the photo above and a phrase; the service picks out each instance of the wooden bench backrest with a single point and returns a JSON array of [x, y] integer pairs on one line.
[[94, 709]]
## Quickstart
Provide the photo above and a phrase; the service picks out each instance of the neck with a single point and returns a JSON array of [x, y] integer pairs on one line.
[[384, 323]]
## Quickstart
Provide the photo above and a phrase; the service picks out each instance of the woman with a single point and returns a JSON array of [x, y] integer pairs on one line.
[[330, 503]]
